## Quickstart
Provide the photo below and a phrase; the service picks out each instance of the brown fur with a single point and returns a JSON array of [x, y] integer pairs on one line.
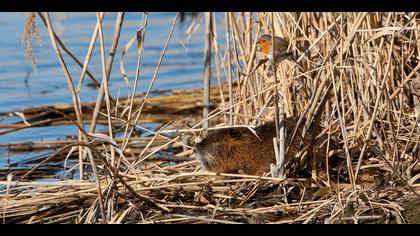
[[233, 150]]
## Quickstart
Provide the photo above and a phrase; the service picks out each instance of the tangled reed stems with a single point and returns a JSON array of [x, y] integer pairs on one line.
[[362, 64]]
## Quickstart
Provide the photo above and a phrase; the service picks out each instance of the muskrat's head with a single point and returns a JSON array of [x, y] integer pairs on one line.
[[217, 151]]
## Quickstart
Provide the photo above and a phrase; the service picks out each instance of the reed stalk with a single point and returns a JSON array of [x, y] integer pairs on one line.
[[152, 81], [94, 81], [353, 80], [141, 33], [207, 69]]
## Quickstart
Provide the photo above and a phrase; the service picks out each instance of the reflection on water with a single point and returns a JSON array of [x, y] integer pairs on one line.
[[21, 87], [48, 84]]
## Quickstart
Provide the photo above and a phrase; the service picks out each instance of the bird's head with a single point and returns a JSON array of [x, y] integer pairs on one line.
[[264, 44]]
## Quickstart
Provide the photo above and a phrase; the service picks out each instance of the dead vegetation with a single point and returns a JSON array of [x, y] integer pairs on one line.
[[361, 63]]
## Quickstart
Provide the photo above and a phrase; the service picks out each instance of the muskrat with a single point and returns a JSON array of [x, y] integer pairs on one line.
[[236, 150]]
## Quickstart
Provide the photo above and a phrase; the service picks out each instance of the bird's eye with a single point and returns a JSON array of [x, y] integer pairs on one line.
[[263, 40]]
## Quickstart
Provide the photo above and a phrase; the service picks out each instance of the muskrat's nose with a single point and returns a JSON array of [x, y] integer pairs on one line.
[[194, 151]]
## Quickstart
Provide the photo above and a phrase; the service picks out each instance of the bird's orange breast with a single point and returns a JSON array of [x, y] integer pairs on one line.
[[265, 47]]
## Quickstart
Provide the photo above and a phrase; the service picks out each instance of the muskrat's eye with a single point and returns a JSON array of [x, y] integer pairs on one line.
[[234, 134]]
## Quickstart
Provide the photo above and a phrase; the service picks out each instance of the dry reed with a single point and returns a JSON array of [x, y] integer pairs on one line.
[[352, 76]]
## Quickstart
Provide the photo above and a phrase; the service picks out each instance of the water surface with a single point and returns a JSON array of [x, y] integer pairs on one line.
[[22, 87]]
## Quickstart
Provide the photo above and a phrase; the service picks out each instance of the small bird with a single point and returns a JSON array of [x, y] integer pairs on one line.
[[264, 45]]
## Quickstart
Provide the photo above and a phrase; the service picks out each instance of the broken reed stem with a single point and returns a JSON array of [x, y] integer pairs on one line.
[[141, 33], [236, 60], [82, 153], [380, 91], [219, 111], [95, 82], [101, 93], [105, 83], [341, 118], [103, 90], [207, 70], [275, 96], [152, 81], [216, 60], [106, 70], [282, 149], [75, 96], [229, 66], [88, 56]]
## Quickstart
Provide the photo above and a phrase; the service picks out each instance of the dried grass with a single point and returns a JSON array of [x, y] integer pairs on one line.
[[31, 31], [354, 69]]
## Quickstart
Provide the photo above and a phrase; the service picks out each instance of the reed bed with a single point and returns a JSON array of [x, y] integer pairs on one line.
[[355, 74]]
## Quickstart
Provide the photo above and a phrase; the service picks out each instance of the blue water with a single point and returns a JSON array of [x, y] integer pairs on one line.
[[182, 67]]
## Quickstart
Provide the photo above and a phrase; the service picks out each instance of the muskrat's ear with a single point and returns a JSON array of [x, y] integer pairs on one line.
[[235, 134]]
